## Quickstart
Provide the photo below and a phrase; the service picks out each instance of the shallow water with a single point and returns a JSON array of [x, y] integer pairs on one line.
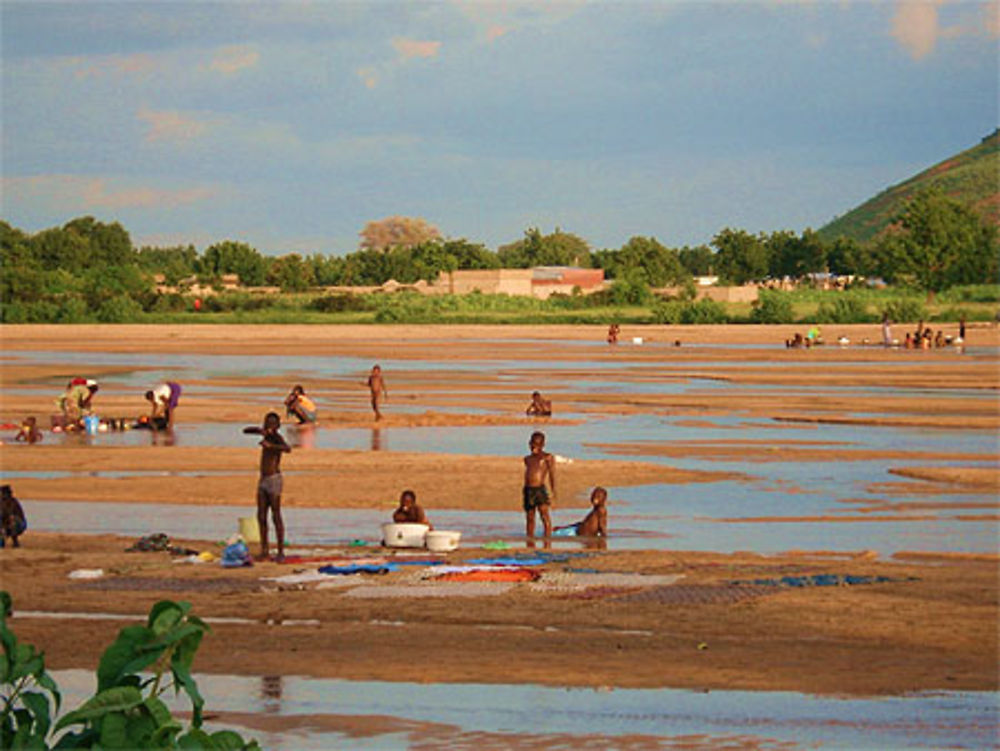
[[708, 516], [308, 713]]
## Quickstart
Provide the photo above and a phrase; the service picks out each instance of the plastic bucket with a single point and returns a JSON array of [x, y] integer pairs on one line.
[[91, 423], [443, 541], [249, 529]]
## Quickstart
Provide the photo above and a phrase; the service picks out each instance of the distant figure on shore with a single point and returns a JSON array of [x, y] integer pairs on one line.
[[409, 512], [939, 339], [269, 486], [908, 342], [29, 432], [300, 406], [12, 520], [376, 385], [796, 341], [539, 407], [164, 400], [961, 328], [886, 331], [613, 330], [595, 523], [539, 467]]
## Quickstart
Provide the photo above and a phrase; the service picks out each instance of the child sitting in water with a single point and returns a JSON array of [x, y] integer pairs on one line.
[[29, 431], [409, 512], [12, 520], [539, 407], [595, 523]]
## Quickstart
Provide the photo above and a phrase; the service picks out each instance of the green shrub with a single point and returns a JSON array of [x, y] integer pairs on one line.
[[668, 313], [119, 309], [73, 310], [844, 309], [972, 293], [338, 303], [905, 309], [703, 311], [772, 306]]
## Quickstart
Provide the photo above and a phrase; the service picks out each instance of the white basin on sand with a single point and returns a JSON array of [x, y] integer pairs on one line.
[[404, 535], [443, 540]]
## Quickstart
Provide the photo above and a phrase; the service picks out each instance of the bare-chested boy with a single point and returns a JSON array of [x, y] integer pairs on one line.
[[273, 445], [376, 385], [539, 466], [409, 511], [595, 523]]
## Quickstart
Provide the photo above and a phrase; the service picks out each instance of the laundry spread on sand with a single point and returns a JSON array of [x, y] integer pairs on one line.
[[87, 573], [509, 561], [503, 574], [451, 589], [359, 568]]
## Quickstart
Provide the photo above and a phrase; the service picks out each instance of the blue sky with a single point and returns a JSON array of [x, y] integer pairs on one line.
[[291, 125]]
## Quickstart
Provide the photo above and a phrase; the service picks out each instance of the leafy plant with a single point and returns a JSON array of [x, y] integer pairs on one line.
[[772, 306], [126, 712], [845, 309], [30, 697]]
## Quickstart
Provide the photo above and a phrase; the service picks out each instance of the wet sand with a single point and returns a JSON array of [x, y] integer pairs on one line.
[[933, 627]]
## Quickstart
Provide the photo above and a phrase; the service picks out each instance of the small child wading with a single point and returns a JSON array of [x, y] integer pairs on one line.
[[269, 487], [539, 466], [12, 519]]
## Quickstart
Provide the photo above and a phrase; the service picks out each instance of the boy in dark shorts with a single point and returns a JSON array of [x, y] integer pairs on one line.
[[538, 466], [376, 385], [12, 521], [273, 445]]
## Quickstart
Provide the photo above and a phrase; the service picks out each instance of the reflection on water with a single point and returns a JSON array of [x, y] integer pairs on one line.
[[302, 713]]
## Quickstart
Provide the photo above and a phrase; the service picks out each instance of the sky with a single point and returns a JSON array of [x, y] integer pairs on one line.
[[289, 126]]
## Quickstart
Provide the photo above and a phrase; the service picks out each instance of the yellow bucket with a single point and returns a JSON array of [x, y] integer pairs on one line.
[[249, 528]]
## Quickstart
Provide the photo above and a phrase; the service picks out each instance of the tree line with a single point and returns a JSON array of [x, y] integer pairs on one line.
[[90, 269]]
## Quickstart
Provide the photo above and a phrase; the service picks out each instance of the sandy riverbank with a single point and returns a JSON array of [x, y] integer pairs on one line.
[[933, 626]]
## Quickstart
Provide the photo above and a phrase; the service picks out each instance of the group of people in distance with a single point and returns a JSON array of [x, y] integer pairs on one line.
[[925, 338]]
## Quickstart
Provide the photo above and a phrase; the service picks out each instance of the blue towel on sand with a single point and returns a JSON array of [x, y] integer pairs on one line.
[[363, 568]]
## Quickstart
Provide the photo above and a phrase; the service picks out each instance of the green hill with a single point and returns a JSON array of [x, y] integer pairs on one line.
[[972, 177]]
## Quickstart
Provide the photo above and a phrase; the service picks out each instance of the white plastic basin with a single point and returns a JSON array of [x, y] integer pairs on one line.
[[443, 540], [406, 535]]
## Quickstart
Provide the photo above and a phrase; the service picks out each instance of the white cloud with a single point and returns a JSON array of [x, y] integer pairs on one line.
[[918, 27]]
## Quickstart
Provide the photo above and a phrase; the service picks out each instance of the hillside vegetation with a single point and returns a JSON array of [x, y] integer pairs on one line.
[[972, 177]]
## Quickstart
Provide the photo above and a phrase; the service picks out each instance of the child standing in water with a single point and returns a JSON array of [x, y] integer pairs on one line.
[[269, 487], [539, 466], [376, 385]]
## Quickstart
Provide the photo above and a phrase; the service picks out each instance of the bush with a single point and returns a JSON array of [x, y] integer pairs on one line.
[[705, 310], [905, 309], [73, 310], [338, 303], [120, 309], [845, 309], [668, 312], [772, 307], [972, 293]]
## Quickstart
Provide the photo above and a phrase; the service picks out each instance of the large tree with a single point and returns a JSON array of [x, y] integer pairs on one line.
[[535, 249], [660, 264], [230, 257], [938, 242], [741, 257], [397, 232]]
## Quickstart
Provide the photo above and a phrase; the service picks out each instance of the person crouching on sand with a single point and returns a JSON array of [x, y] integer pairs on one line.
[[30, 433], [12, 520], [409, 511], [269, 487], [300, 406], [539, 466]]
